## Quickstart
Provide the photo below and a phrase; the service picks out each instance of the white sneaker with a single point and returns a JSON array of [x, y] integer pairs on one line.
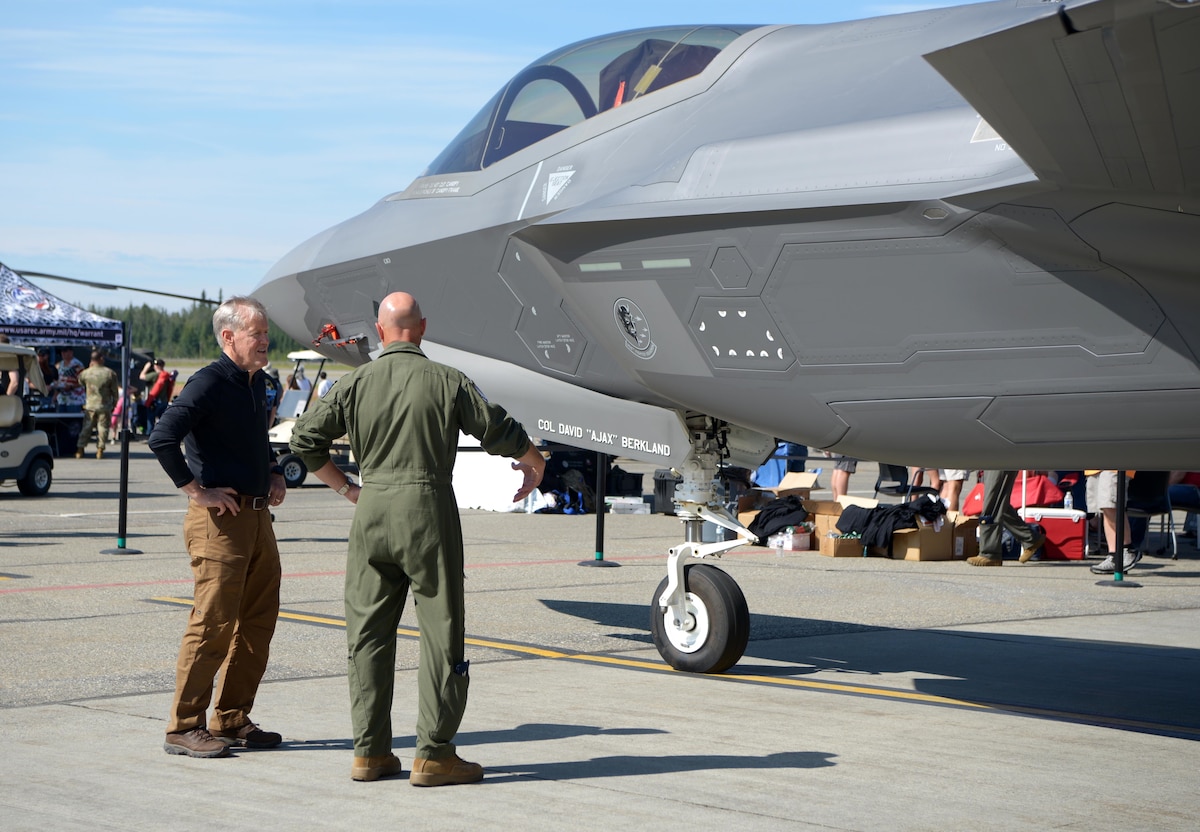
[[1108, 566]]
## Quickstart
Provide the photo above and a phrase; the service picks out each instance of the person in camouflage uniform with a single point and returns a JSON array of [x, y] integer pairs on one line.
[[100, 382]]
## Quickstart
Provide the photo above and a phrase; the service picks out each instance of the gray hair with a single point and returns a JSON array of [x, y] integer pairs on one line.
[[235, 314]]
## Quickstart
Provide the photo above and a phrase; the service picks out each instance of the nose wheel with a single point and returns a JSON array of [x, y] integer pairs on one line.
[[714, 629], [699, 618]]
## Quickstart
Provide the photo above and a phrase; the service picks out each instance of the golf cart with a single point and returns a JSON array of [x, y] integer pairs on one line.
[[292, 403], [25, 454]]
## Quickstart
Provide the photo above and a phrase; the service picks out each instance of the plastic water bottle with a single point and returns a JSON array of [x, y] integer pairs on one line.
[[1068, 501]]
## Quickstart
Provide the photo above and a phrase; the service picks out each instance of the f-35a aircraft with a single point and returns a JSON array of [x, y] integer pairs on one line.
[[966, 237]]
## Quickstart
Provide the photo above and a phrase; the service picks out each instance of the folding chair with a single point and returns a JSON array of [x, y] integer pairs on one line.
[[1148, 497], [893, 481]]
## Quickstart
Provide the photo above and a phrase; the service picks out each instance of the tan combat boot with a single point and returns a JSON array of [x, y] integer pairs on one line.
[[367, 769], [447, 771]]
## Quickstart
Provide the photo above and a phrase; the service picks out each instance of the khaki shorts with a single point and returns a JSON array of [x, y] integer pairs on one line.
[[953, 473], [1102, 491]]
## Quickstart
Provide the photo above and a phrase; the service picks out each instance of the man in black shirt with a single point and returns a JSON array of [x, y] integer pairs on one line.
[[231, 481]]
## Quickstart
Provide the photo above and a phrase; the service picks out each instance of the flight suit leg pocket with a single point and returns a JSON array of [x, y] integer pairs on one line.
[[454, 701]]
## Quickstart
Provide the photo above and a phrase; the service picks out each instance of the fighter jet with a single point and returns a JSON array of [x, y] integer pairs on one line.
[[963, 237]]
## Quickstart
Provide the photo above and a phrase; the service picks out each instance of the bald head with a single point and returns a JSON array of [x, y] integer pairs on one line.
[[400, 319]]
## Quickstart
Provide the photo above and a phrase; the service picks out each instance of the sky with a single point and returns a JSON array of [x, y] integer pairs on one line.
[[185, 147]]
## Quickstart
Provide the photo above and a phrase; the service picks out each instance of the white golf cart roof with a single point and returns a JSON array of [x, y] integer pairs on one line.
[[13, 357], [306, 355]]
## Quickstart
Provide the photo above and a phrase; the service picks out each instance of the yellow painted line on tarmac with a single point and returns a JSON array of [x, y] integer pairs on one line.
[[312, 619], [515, 647], [890, 693], [748, 678], [164, 599], [408, 632], [638, 664]]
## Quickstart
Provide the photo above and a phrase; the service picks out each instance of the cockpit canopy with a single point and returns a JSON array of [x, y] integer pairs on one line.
[[578, 82]]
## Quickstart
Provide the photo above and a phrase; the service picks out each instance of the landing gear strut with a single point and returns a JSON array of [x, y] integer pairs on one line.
[[699, 618]]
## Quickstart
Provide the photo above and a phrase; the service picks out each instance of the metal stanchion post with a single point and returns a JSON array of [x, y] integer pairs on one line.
[[123, 503], [601, 507], [1118, 578]]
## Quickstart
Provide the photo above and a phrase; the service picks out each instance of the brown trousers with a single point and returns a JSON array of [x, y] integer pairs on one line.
[[235, 561]]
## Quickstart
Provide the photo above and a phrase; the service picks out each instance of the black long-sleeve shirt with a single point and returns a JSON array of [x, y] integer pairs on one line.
[[220, 417]]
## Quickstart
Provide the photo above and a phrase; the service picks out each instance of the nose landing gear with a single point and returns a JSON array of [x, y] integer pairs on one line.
[[699, 618]]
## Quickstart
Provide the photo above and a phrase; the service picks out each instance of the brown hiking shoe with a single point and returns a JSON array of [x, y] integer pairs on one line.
[[1039, 537], [366, 769], [195, 743], [248, 736], [980, 560], [447, 771]]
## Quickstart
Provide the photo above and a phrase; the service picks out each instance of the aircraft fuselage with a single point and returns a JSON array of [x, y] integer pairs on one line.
[[861, 264]]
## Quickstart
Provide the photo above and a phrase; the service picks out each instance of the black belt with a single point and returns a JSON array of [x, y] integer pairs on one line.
[[256, 503]]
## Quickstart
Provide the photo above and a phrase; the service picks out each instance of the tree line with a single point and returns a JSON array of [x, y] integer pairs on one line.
[[185, 333]]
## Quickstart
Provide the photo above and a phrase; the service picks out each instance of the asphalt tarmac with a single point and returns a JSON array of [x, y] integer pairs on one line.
[[874, 694]]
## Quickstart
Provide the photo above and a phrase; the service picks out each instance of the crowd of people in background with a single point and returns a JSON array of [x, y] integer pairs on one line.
[[152, 387], [1091, 492], [94, 393]]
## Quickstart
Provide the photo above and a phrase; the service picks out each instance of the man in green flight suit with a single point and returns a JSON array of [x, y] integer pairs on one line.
[[402, 414]]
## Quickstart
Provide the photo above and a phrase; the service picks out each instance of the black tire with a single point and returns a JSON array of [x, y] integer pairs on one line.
[[37, 479], [294, 471], [722, 618]]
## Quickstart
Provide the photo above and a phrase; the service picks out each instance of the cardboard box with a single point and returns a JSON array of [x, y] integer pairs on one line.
[[750, 503], [925, 543], [840, 547], [798, 483], [966, 536], [823, 514], [754, 499], [829, 507], [851, 500]]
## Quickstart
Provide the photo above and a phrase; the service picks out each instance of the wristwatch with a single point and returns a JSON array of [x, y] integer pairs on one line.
[[345, 487]]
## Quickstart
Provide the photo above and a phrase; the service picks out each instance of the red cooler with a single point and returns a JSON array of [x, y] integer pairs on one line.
[[1066, 531]]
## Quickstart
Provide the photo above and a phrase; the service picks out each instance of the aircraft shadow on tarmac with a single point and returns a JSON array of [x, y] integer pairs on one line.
[[1137, 687]]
